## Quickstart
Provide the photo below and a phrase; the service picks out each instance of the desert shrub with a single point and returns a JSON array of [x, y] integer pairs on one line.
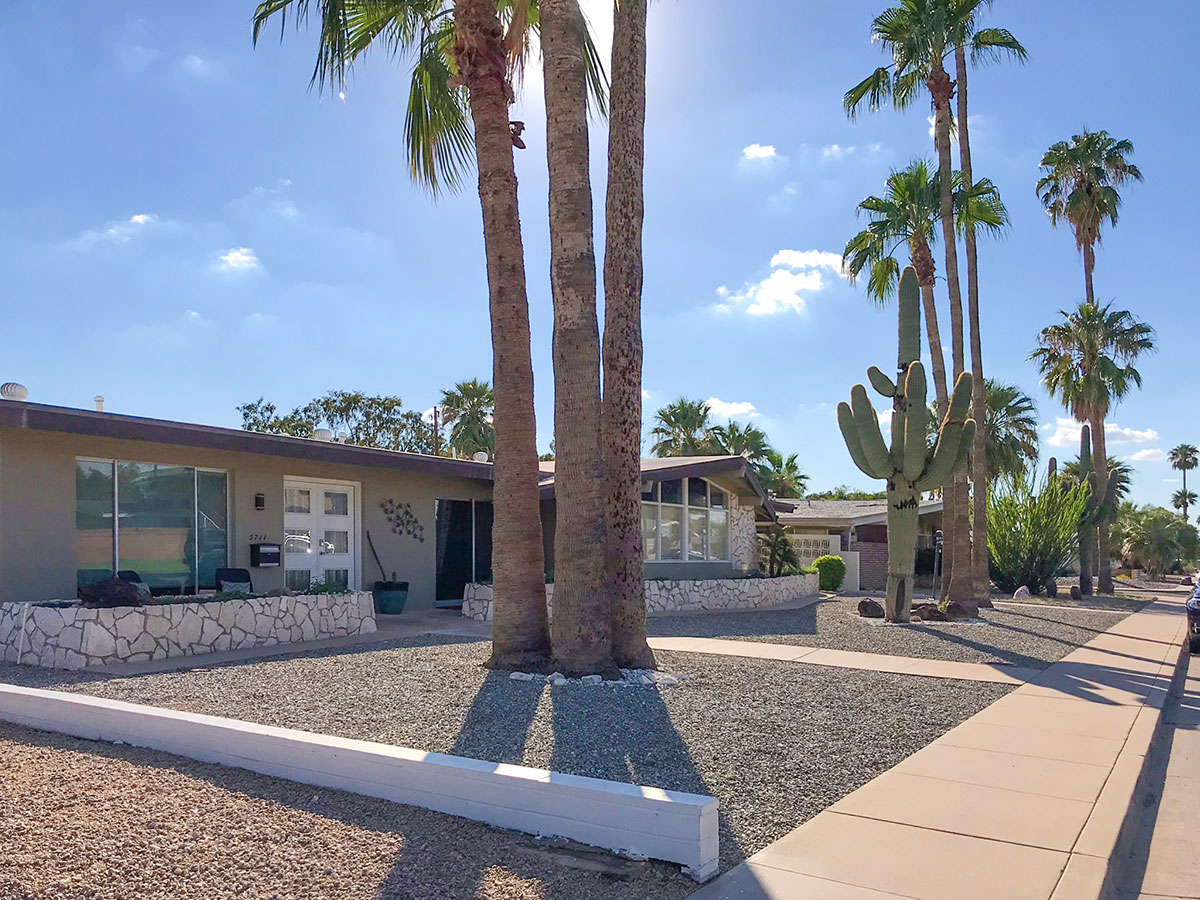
[[1033, 531], [832, 570], [109, 593]]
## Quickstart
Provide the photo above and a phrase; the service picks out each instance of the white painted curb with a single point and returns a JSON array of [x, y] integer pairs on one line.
[[644, 821]]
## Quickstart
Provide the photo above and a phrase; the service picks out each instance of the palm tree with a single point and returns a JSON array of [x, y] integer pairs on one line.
[[468, 409], [1011, 430], [622, 402], [1182, 499], [986, 44], [459, 98], [1079, 186], [782, 477], [1157, 539], [1086, 361], [735, 439], [1185, 457], [683, 429]]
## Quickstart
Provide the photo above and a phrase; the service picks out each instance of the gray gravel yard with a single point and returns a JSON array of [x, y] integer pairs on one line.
[[87, 821], [1029, 636], [775, 743]]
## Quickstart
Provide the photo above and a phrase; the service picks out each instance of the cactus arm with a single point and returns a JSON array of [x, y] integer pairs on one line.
[[881, 382], [850, 435], [916, 423], [910, 319], [952, 441], [874, 449]]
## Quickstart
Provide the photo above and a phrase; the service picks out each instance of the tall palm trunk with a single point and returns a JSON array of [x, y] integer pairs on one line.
[[1089, 266], [1086, 548], [1104, 581], [520, 634], [581, 629], [941, 88], [979, 471], [622, 407]]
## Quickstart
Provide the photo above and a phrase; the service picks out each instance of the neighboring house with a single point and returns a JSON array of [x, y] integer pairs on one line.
[[853, 529], [84, 494]]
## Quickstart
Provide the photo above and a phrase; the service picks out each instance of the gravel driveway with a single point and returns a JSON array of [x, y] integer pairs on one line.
[[1028, 636], [775, 743], [87, 821]]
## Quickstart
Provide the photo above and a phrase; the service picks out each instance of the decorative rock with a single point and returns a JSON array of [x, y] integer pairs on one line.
[[929, 612], [592, 679], [957, 612], [521, 676], [1021, 593], [870, 609]]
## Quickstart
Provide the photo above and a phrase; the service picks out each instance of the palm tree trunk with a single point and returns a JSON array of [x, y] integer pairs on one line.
[[979, 471], [520, 634], [622, 406], [1085, 545], [941, 88], [1104, 580], [581, 629], [1089, 266]]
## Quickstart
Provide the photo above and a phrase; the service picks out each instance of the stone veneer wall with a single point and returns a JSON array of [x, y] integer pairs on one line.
[[743, 537], [663, 596], [73, 637]]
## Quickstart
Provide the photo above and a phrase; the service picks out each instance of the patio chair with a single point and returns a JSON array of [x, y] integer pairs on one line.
[[234, 580]]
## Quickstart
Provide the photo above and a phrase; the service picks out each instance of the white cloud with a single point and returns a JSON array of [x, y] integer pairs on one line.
[[1150, 454], [1171, 480], [1064, 432], [794, 274], [728, 409], [759, 152], [116, 232], [645, 394], [198, 67], [238, 259], [837, 151]]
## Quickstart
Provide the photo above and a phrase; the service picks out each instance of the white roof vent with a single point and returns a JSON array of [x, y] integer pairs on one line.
[[99, 403], [322, 434], [480, 456], [10, 390]]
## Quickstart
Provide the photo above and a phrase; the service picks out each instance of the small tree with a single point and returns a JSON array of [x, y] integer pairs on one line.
[[367, 420], [1034, 532], [776, 551]]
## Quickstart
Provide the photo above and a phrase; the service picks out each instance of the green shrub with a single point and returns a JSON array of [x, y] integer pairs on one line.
[[1033, 531], [775, 550], [832, 570]]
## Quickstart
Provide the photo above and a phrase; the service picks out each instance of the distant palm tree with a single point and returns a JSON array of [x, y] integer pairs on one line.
[[1086, 361], [1080, 187], [1185, 457], [782, 477], [1011, 427], [468, 409], [735, 439], [1118, 470], [683, 429], [1182, 499]]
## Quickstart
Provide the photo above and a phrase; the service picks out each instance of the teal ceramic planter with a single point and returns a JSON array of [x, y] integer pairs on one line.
[[389, 597]]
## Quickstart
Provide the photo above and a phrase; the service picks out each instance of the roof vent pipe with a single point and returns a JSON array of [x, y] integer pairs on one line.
[[99, 403], [480, 456], [10, 390], [322, 434]]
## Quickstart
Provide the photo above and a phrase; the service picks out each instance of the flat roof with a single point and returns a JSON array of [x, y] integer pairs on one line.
[[839, 512]]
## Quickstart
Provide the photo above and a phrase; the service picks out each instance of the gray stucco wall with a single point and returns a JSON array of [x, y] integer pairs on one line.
[[37, 509]]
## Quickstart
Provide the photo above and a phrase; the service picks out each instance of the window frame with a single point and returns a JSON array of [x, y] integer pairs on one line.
[[686, 531]]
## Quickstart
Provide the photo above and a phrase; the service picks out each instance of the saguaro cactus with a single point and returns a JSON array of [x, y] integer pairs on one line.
[[908, 466]]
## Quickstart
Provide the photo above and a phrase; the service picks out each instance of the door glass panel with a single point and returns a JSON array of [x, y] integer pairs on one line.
[[336, 542], [297, 500], [339, 578], [649, 531], [672, 491], [297, 540], [157, 514], [337, 503], [670, 532], [697, 533], [697, 492], [212, 523], [298, 579], [718, 535], [94, 521]]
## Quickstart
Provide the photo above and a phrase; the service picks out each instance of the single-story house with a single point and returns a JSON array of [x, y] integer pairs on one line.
[[853, 529], [84, 494]]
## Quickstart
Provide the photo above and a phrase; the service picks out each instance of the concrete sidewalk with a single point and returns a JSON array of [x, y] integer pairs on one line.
[[1027, 800]]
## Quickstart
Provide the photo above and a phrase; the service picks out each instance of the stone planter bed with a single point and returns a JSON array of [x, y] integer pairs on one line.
[[1026, 636], [666, 596], [66, 635], [775, 743]]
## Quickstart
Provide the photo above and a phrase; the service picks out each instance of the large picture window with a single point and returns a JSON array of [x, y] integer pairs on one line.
[[684, 519], [169, 524]]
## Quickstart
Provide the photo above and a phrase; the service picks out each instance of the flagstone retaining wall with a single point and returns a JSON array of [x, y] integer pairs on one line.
[[678, 596], [73, 637]]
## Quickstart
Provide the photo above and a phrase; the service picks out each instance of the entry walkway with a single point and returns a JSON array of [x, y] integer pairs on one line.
[[848, 659], [1026, 800]]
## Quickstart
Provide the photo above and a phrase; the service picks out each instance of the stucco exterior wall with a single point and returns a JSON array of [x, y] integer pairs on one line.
[[37, 509]]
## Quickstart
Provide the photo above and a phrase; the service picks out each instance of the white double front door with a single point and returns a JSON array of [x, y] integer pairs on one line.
[[319, 534]]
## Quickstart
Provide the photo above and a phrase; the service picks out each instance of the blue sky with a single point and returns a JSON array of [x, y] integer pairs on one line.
[[185, 227]]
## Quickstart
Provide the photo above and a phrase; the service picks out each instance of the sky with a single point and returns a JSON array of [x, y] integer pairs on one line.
[[185, 226]]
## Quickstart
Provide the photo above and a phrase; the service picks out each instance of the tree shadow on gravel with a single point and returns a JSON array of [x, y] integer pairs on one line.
[[441, 857], [747, 623], [496, 727]]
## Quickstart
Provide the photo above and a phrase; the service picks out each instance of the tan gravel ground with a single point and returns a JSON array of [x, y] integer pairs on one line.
[[87, 821]]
